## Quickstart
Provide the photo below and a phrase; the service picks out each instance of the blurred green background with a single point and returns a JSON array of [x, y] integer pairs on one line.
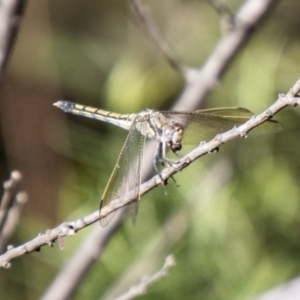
[[233, 224]]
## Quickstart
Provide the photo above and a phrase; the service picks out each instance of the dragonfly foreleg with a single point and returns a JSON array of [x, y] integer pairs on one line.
[[157, 159], [160, 157]]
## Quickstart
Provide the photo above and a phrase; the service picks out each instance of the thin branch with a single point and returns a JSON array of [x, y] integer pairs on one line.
[[11, 12], [80, 263], [11, 206], [12, 219], [153, 33], [146, 282], [202, 81], [69, 228], [8, 195]]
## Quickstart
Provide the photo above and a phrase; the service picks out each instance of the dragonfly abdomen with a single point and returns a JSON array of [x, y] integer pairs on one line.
[[121, 120]]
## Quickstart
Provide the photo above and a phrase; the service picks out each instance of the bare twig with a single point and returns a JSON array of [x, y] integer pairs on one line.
[[8, 195], [11, 206], [12, 219], [80, 263], [202, 81], [151, 30], [69, 228], [146, 282], [11, 12]]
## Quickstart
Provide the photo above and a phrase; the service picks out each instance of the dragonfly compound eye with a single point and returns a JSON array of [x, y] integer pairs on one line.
[[177, 134], [168, 133]]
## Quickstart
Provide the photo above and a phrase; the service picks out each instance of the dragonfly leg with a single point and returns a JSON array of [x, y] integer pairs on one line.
[[157, 159], [160, 157]]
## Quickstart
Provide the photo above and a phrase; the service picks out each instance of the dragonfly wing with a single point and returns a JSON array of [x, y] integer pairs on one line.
[[205, 124], [126, 175], [137, 165]]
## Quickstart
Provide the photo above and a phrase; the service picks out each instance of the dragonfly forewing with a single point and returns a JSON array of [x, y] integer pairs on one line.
[[126, 176]]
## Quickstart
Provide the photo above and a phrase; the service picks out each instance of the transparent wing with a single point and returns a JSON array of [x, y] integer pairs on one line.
[[126, 175], [203, 125]]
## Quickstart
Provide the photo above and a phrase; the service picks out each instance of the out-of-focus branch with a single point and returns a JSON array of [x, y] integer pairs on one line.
[[8, 195], [69, 228], [12, 219], [289, 290], [146, 282], [80, 263], [202, 81], [11, 206], [153, 33], [11, 12]]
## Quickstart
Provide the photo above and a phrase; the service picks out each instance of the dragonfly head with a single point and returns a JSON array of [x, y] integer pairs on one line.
[[172, 134]]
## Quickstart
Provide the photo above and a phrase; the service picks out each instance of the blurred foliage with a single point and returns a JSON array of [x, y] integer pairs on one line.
[[241, 235]]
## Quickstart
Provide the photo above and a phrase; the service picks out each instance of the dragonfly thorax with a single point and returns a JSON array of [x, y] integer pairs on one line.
[[172, 134]]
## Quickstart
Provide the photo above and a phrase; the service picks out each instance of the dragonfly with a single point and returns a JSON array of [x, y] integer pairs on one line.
[[170, 129]]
